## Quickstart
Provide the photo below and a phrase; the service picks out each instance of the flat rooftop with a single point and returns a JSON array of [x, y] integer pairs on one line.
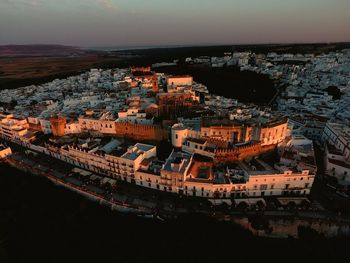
[[135, 151], [257, 167], [177, 162]]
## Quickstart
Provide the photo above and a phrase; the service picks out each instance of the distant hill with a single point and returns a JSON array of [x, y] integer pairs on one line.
[[38, 50]]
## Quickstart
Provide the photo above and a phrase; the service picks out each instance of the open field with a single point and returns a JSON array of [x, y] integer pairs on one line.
[[21, 71]]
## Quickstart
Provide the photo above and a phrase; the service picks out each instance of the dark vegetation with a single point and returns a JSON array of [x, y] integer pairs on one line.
[[245, 86], [334, 91]]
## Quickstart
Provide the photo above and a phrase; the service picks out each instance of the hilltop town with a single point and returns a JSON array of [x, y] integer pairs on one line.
[[112, 125]]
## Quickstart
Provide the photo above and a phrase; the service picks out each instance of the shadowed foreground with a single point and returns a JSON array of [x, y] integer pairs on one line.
[[41, 222]]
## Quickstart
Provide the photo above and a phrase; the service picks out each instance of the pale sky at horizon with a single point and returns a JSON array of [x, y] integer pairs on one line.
[[166, 22]]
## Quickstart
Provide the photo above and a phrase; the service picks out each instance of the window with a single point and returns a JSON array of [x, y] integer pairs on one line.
[[286, 186], [176, 136], [263, 186]]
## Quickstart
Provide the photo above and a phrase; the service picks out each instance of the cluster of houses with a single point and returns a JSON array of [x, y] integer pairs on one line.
[[314, 95], [225, 157]]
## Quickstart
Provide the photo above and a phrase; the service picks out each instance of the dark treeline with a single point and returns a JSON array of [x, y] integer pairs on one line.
[[245, 86]]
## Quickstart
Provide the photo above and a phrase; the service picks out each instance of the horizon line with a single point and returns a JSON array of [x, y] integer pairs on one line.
[[178, 45]]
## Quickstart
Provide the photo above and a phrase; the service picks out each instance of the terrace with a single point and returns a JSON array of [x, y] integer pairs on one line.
[[135, 151]]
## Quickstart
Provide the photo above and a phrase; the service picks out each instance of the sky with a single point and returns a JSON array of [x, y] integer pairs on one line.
[[92, 23]]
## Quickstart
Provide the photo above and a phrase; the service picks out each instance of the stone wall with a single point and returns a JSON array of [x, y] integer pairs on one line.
[[141, 132], [242, 152]]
